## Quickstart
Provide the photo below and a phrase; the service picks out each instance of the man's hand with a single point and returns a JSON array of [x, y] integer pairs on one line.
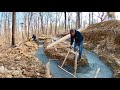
[[70, 46], [77, 47]]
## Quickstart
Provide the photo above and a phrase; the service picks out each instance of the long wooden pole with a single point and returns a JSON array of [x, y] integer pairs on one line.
[[62, 39], [58, 41], [75, 64], [67, 71], [66, 58]]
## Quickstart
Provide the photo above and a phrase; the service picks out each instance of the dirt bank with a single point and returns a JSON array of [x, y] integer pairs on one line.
[[104, 39], [61, 51], [20, 62]]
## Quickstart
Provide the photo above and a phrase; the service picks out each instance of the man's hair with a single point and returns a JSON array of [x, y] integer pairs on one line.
[[72, 30]]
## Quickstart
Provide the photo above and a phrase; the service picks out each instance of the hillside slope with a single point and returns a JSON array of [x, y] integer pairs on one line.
[[104, 39]]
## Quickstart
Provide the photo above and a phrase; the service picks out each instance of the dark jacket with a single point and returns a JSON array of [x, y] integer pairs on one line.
[[78, 37], [34, 37]]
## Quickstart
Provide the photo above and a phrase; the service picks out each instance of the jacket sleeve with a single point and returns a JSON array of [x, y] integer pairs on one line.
[[72, 39]]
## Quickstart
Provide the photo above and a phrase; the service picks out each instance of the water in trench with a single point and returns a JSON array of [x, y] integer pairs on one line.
[[82, 72]]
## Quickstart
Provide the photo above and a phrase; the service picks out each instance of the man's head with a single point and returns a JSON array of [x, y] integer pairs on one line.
[[72, 32]]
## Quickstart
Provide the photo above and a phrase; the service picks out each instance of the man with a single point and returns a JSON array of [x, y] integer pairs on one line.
[[34, 37], [78, 45]]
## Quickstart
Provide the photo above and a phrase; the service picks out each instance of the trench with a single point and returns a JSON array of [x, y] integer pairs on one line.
[[82, 72]]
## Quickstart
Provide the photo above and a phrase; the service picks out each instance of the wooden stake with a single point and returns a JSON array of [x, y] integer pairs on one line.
[[48, 70], [97, 72], [75, 64], [66, 58]]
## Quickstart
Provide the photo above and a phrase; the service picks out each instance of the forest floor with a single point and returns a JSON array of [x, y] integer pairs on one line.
[[20, 62]]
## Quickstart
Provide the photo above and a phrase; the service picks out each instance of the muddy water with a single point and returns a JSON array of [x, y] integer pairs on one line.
[[82, 72]]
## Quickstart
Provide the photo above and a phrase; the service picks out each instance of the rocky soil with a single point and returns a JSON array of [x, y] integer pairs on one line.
[[60, 51], [20, 62], [104, 39]]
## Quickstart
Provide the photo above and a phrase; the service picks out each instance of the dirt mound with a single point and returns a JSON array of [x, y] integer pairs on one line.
[[60, 51], [20, 62], [103, 38], [106, 25]]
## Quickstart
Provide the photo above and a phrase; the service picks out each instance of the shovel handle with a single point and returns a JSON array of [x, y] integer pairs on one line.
[[65, 57]]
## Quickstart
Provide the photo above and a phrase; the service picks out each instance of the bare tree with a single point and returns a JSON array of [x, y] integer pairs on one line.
[[84, 23], [41, 17], [22, 31], [56, 24], [102, 16], [0, 27], [4, 21], [92, 17], [89, 18], [81, 19], [65, 20], [9, 27], [25, 26], [69, 15], [13, 28], [46, 18], [30, 14], [51, 22], [78, 20], [38, 26], [59, 18], [111, 15]]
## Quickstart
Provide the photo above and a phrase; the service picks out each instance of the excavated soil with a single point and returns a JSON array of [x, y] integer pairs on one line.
[[61, 51], [20, 62], [104, 39]]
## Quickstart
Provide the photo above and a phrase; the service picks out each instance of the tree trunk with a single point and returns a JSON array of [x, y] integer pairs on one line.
[[81, 19], [47, 26], [13, 28], [56, 24], [65, 20], [25, 27], [41, 16], [50, 27], [5, 30], [28, 27], [68, 21], [9, 30], [92, 17], [32, 30], [38, 27], [89, 18], [30, 14], [78, 20], [0, 27]]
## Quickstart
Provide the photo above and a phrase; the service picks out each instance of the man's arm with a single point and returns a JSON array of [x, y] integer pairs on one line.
[[72, 39], [79, 35]]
